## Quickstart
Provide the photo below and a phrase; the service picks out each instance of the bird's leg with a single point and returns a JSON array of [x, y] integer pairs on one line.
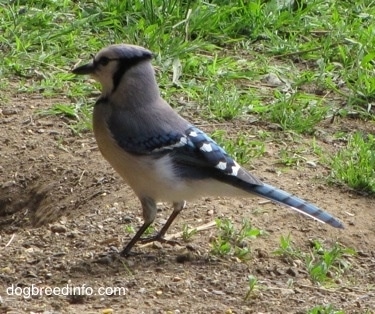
[[177, 207], [149, 213]]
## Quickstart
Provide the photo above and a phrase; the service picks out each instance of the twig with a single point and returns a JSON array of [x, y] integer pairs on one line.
[[10, 241]]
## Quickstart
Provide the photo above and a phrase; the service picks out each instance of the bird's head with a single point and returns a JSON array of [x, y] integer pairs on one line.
[[110, 64]]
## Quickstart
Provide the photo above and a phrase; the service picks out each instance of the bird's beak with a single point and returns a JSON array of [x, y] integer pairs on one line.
[[84, 69]]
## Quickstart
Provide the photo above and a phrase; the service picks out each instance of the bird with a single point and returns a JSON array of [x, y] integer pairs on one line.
[[160, 155]]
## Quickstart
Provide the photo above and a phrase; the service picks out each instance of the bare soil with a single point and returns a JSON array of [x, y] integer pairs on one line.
[[62, 209]]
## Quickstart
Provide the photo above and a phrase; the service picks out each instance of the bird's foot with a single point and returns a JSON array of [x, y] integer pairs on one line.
[[127, 253]]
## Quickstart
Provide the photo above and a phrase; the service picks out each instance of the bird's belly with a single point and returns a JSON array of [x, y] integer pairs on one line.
[[156, 178], [146, 175]]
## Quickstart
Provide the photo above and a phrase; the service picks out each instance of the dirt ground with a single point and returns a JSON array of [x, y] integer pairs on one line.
[[62, 208]]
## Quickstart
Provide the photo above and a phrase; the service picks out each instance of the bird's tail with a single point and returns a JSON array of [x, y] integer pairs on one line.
[[284, 198]]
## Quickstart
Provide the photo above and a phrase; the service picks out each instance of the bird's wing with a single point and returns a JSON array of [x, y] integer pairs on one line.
[[192, 149]]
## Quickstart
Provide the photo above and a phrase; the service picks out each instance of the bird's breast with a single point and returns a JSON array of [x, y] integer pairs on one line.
[[146, 175]]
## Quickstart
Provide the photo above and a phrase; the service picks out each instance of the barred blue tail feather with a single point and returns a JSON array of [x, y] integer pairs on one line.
[[279, 196]]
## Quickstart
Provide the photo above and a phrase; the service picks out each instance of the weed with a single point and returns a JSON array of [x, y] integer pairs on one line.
[[286, 249], [149, 231], [188, 233], [323, 264], [289, 157], [253, 285], [231, 241], [129, 229]]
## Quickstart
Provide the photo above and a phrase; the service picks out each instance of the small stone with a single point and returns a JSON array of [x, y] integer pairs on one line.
[[8, 111], [182, 258], [261, 253], [8, 184], [157, 245], [287, 291], [58, 228], [127, 219], [311, 164], [159, 292], [292, 272], [6, 270], [272, 79]]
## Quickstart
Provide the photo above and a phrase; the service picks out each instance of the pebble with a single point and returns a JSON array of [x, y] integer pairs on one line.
[[57, 228], [8, 112], [157, 245], [292, 272], [311, 164], [272, 79]]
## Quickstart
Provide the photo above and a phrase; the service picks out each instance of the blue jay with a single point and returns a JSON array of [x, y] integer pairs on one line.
[[158, 153]]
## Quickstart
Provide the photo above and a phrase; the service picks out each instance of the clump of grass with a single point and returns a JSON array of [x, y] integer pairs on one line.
[[324, 309], [78, 116], [354, 165], [299, 113], [291, 157], [232, 241], [287, 250], [322, 264], [240, 148]]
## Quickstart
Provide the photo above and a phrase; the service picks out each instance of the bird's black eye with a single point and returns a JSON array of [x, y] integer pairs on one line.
[[103, 61]]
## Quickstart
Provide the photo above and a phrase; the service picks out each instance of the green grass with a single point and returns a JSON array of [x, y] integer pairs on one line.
[[241, 148], [300, 113], [354, 165], [253, 286], [188, 233], [323, 265], [287, 250], [324, 309], [339, 53]]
